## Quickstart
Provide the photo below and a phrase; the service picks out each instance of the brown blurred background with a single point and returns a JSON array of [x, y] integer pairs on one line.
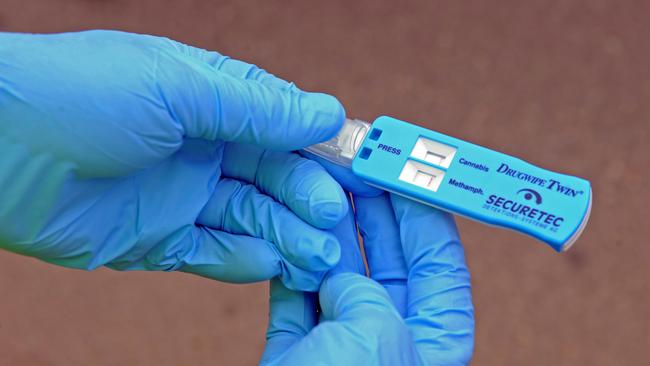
[[563, 84]]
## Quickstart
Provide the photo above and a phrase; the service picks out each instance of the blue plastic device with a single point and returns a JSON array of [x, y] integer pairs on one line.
[[463, 178]]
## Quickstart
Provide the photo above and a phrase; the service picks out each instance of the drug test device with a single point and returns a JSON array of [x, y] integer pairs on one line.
[[462, 178]]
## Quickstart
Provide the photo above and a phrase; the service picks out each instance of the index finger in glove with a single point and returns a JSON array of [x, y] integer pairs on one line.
[[237, 68], [439, 306], [301, 184]]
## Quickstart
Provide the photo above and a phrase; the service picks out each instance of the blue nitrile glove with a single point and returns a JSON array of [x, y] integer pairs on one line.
[[416, 309], [138, 152]]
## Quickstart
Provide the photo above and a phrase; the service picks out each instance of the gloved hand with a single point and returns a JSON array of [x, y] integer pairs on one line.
[[416, 308], [138, 152]]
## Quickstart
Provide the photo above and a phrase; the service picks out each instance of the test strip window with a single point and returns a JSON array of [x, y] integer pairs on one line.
[[421, 175], [433, 152]]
